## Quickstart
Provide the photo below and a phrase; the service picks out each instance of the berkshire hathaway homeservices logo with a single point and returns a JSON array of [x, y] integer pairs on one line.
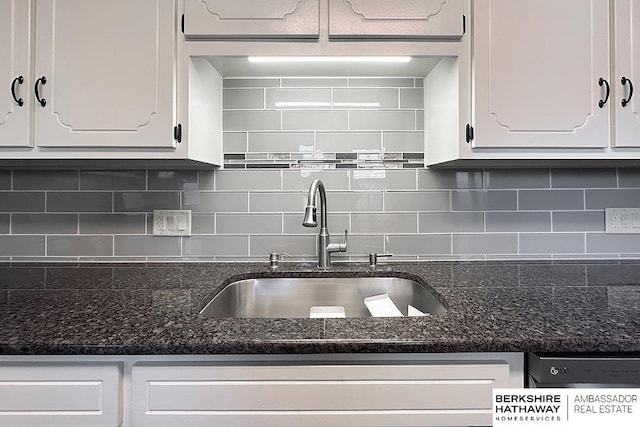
[[566, 407]]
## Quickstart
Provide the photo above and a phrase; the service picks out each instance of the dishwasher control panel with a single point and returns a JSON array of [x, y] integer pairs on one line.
[[556, 370]]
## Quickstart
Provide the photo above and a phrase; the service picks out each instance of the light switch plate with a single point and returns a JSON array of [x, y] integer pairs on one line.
[[622, 220], [172, 223]]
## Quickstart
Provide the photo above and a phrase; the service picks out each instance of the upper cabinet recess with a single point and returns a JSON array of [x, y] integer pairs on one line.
[[251, 19], [398, 19]]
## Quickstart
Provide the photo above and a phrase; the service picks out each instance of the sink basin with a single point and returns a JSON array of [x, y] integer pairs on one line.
[[294, 297]]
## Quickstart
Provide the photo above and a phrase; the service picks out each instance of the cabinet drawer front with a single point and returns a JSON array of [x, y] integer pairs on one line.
[[60, 395], [404, 394], [222, 19], [396, 19]]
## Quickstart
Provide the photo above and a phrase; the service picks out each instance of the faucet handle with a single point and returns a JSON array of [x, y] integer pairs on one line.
[[274, 257], [373, 258], [343, 245]]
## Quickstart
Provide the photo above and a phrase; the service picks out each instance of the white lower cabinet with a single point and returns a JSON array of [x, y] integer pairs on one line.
[[60, 394], [453, 389], [428, 391]]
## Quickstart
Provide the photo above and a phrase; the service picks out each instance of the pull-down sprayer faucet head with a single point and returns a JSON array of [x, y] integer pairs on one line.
[[310, 211], [310, 217]]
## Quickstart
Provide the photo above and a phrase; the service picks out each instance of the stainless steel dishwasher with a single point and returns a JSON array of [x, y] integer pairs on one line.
[[589, 370]]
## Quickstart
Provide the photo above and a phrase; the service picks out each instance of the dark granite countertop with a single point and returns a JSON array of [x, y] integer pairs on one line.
[[153, 309]]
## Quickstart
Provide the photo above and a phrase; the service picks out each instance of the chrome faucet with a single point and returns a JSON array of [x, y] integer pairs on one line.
[[325, 247]]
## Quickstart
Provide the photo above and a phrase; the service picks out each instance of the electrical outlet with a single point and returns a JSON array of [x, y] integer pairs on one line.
[[172, 223], [622, 220]]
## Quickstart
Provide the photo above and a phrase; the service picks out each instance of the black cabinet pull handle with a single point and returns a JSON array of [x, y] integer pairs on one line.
[[42, 80], [18, 80], [601, 82], [624, 82]]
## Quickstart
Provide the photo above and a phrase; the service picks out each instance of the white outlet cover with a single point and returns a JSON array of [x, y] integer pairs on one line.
[[622, 220], [172, 223]]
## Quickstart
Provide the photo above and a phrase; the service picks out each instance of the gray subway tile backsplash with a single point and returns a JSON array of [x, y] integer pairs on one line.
[[521, 178], [418, 244], [289, 98], [487, 243], [33, 201], [366, 98], [243, 99], [612, 198], [578, 221], [5, 180], [80, 246], [251, 120], [262, 246], [554, 243], [584, 178], [370, 158], [381, 82], [173, 180], [277, 202], [417, 201], [451, 222], [449, 179], [22, 246], [112, 223], [212, 202], [403, 142], [333, 180], [137, 201], [249, 223], [386, 223], [629, 178], [414, 213], [518, 221], [388, 120], [315, 120], [5, 223], [277, 142], [548, 200], [215, 246], [45, 180], [113, 180], [346, 142], [380, 179], [44, 223], [83, 201], [498, 200], [248, 180]]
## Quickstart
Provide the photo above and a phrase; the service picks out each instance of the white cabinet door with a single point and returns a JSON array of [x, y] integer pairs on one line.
[[63, 395], [627, 66], [431, 394], [109, 70], [224, 19], [15, 76], [398, 19], [537, 66]]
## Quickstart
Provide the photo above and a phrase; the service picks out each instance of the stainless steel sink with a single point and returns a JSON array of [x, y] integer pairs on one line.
[[294, 297]]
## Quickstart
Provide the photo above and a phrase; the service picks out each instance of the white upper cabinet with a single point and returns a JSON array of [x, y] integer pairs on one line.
[[398, 19], [104, 73], [627, 73], [541, 71], [226, 19], [15, 76]]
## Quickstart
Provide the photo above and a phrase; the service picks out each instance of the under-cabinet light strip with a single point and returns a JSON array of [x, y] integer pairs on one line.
[[268, 59]]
